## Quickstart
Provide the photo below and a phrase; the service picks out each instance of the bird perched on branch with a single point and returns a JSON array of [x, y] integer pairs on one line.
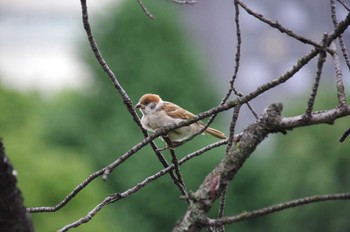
[[157, 113]]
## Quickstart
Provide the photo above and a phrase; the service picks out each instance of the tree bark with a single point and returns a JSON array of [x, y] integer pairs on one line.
[[13, 215]]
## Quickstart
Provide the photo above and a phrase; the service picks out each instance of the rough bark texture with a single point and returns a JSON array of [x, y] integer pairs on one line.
[[213, 185], [13, 215]]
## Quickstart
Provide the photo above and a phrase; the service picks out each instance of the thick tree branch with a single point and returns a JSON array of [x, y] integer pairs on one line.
[[215, 183]]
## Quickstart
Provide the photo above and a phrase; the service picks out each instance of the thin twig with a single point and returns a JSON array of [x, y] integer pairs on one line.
[[237, 55], [182, 2], [231, 138], [180, 181], [276, 208], [279, 27], [321, 60], [341, 40], [144, 9], [345, 135], [222, 207], [343, 4], [69, 197], [339, 78], [237, 62]]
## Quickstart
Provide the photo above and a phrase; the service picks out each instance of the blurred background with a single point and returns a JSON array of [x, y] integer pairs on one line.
[[61, 119]]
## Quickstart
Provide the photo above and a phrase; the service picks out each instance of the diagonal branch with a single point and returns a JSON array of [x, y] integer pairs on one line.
[[69, 197], [118, 196], [96, 174], [339, 78], [341, 40], [180, 181], [279, 27], [144, 9], [321, 60], [344, 5], [276, 208]]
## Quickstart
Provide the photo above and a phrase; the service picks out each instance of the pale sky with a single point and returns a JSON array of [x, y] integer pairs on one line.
[[38, 41]]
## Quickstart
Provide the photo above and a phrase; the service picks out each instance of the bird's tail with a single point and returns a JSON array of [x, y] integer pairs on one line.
[[216, 133]]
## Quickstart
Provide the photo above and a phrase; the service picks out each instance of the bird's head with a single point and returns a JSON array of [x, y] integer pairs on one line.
[[148, 103]]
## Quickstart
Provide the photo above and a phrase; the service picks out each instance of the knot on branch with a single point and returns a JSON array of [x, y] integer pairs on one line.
[[271, 117]]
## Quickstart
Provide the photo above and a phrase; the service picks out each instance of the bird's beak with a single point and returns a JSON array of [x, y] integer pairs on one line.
[[139, 105]]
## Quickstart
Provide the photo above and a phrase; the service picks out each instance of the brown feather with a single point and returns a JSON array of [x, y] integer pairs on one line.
[[216, 133], [176, 111], [147, 98]]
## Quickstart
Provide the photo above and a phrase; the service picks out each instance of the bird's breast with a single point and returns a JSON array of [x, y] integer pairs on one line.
[[157, 120]]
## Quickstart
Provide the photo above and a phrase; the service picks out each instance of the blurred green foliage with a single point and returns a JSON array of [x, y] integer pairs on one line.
[[46, 173], [55, 145]]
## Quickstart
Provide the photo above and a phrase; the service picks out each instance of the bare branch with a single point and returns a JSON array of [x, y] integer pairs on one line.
[[270, 121], [182, 2], [339, 78], [180, 181], [237, 62], [276, 208], [69, 197], [222, 207], [101, 172], [217, 180], [325, 116], [343, 4], [321, 60], [234, 119], [279, 27], [237, 55], [118, 196], [345, 135], [341, 40], [144, 9]]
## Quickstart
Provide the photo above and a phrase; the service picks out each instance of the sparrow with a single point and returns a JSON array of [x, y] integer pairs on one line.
[[157, 113]]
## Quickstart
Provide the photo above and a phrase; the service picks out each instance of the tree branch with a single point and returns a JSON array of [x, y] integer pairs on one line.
[[321, 60], [276, 208], [118, 196], [217, 180]]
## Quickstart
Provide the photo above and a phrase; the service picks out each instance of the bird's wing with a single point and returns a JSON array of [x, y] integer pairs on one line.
[[176, 111]]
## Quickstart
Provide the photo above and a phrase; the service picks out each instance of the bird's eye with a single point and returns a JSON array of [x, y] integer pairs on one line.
[[146, 102], [152, 106]]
